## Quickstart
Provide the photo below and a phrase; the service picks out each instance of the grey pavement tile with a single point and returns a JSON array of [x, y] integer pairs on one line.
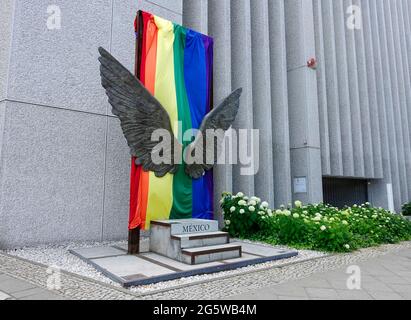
[[384, 295], [287, 289], [177, 264], [11, 286], [337, 275], [321, 293], [405, 295], [404, 274], [398, 269], [4, 296], [253, 296], [99, 252], [404, 253], [313, 283], [29, 292], [406, 288], [292, 298], [374, 284], [264, 251], [392, 280], [5, 277], [44, 296], [375, 270], [123, 266], [339, 284], [354, 295]]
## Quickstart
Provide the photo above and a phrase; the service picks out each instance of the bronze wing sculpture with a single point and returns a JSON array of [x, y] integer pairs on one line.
[[141, 114]]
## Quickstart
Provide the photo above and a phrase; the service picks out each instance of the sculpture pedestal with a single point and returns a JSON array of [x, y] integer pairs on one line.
[[192, 241]]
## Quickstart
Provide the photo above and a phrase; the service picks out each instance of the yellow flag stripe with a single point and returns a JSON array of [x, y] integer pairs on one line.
[[160, 197]]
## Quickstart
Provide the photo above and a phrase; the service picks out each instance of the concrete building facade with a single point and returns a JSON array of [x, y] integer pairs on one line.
[[64, 172]]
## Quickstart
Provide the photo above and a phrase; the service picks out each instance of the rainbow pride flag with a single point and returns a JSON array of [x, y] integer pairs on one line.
[[175, 64]]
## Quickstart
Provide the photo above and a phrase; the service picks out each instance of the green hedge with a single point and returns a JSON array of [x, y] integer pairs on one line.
[[317, 227]]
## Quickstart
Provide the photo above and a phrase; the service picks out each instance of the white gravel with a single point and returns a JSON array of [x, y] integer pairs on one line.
[[59, 256]]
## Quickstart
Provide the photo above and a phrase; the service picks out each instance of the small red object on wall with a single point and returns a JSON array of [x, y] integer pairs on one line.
[[312, 63]]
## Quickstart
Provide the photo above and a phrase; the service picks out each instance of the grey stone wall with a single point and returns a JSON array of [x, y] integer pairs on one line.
[[64, 171], [64, 162]]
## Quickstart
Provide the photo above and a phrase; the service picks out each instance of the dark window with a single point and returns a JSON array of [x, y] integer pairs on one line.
[[345, 192]]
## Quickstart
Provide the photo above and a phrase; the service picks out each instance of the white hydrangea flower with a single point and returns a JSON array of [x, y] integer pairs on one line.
[[287, 213], [242, 203], [278, 212], [251, 208], [252, 203], [344, 222], [296, 215], [265, 204], [227, 222], [240, 194], [347, 246], [298, 204], [317, 218], [323, 228], [242, 211], [232, 209]]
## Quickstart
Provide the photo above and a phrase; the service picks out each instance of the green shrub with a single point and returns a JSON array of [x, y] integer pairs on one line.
[[406, 209], [317, 227]]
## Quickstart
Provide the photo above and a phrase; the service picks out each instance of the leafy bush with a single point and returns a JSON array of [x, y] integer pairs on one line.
[[317, 227], [406, 209]]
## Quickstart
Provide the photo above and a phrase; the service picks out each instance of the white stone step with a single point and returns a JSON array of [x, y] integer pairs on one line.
[[187, 226], [207, 254], [195, 240]]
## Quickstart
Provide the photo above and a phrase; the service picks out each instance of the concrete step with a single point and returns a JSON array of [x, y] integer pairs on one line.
[[207, 254], [196, 240], [186, 226]]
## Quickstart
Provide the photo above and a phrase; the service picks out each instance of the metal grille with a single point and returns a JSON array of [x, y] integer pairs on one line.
[[345, 192]]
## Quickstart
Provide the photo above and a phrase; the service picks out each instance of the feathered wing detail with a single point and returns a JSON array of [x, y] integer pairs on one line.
[[140, 115], [208, 141]]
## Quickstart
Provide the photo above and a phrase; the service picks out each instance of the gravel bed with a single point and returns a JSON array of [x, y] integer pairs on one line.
[[59, 256]]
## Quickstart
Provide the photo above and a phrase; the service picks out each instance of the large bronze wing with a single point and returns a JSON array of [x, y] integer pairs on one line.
[[140, 115], [211, 135]]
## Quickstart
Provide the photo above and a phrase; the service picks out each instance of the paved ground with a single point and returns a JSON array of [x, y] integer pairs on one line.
[[385, 274], [12, 288], [386, 277], [147, 267]]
